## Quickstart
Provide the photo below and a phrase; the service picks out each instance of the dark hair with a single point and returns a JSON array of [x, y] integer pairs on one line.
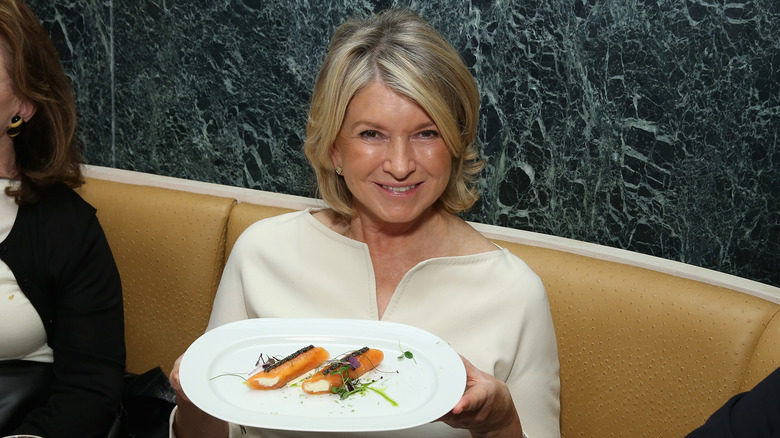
[[47, 150]]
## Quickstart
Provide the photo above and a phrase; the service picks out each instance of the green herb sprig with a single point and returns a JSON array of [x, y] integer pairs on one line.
[[405, 353]]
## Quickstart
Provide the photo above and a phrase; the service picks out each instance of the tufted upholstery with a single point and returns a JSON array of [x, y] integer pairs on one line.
[[642, 352], [766, 356], [169, 248]]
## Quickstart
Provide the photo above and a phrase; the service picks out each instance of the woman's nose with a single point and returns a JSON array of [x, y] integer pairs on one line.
[[399, 158]]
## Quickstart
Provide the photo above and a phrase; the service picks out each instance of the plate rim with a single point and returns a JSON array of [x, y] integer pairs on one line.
[[334, 327]]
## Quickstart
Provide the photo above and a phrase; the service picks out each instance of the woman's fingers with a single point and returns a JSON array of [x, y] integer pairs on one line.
[[473, 392], [189, 420], [174, 379], [486, 405]]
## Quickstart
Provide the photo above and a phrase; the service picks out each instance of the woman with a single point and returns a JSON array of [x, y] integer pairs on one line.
[[61, 322], [391, 137]]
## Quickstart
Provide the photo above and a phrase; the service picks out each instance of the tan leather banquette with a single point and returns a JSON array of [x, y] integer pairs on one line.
[[648, 347]]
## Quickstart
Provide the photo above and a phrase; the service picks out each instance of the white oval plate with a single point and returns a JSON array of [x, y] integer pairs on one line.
[[425, 387]]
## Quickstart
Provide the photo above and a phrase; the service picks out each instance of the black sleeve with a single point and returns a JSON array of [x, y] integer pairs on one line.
[[754, 414], [88, 334]]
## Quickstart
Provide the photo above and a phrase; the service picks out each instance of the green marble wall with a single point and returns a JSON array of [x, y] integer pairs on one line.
[[649, 125]]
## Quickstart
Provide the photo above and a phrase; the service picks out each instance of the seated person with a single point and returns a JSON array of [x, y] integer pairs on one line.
[[62, 351], [392, 139]]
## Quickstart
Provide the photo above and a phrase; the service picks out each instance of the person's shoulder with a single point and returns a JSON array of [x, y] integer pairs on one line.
[[517, 263], [470, 241], [64, 200], [62, 215], [506, 263], [276, 223], [467, 240], [273, 228]]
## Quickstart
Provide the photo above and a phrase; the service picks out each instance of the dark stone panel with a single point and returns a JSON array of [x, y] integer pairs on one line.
[[81, 31], [650, 126]]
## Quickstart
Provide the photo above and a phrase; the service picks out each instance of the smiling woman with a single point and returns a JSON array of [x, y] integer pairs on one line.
[[413, 60], [393, 160], [391, 137]]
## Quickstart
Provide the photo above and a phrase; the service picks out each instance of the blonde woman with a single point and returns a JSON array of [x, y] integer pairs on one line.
[[391, 137]]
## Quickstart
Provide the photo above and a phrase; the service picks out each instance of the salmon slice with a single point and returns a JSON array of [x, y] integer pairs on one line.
[[332, 376], [288, 369]]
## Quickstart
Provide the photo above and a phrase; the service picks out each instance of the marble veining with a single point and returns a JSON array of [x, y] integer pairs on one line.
[[647, 125]]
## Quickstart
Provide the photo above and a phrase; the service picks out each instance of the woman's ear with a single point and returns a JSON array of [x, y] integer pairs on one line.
[[335, 156], [26, 110]]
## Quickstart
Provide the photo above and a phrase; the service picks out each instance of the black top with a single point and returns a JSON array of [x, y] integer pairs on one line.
[[60, 257], [754, 414]]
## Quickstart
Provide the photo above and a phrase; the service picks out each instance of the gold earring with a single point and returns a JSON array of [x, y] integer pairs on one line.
[[339, 170], [17, 123]]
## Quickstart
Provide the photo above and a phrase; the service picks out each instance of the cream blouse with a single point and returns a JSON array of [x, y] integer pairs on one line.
[[491, 307], [22, 335]]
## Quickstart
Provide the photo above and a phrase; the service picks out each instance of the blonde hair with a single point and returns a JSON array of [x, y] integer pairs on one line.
[[401, 50]]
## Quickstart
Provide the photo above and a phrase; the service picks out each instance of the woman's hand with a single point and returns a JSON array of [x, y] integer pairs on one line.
[[486, 408], [175, 383], [189, 421]]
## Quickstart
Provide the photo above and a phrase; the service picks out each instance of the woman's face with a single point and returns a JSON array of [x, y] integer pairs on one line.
[[394, 160], [10, 104]]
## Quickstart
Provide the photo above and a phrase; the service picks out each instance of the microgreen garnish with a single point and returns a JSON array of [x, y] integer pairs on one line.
[[230, 374], [356, 386], [354, 362], [265, 361], [272, 362], [405, 354], [342, 366], [350, 360]]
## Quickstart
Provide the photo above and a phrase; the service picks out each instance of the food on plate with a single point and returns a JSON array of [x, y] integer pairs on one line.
[[334, 376], [277, 373]]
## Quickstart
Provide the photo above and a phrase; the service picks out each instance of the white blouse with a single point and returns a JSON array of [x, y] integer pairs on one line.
[[22, 335], [491, 307]]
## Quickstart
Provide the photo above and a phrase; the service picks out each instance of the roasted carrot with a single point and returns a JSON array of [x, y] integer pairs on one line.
[[284, 371], [333, 376]]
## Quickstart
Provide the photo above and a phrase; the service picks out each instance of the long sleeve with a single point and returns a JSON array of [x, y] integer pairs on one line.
[[490, 307], [493, 310], [64, 264], [755, 413]]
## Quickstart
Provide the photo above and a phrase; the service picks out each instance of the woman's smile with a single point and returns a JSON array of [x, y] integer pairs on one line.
[[397, 189], [393, 159]]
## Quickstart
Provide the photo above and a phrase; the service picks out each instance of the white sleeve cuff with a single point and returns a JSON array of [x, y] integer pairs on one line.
[[171, 433]]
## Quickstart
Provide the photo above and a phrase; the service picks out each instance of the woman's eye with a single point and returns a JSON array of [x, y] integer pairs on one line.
[[369, 134], [429, 134]]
